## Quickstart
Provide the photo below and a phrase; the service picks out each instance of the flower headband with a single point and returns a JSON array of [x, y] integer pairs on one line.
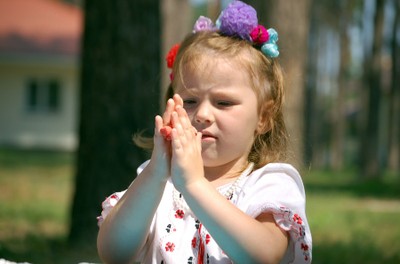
[[237, 20]]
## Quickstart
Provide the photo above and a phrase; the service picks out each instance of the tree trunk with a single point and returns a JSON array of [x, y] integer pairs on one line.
[[370, 165], [291, 20], [339, 119], [394, 115], [177, 17], [310, 88], [213, 9], [262, 11], [119, 97]]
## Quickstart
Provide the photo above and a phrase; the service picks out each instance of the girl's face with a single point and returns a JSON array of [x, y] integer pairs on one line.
[[222, 106]]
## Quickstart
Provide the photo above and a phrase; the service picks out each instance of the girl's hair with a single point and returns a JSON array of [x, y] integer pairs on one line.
[[267, 82]]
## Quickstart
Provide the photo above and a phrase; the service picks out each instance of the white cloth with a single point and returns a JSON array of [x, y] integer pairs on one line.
[[176, 236]]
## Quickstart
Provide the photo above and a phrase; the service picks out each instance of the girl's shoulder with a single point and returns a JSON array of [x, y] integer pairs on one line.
[[278, 176]]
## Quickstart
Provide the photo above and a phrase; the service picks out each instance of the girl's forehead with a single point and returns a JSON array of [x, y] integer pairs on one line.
[[212, 70], [212, 67]]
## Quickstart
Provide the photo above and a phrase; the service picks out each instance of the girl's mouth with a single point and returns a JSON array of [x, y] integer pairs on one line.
[[207, 136]]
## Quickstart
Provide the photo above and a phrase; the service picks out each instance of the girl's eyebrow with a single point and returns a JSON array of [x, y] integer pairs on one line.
[[187, 91]]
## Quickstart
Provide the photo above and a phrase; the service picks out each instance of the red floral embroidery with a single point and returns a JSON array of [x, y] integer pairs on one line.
[[170, 246], [297, 219], [304, 246], [194, 242], [179, 214], [208, 237]]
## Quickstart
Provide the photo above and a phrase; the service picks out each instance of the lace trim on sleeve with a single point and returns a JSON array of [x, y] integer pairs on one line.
[[108, 205], [292, 222]]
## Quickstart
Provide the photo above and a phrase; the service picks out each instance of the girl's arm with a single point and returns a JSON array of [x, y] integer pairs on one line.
[[124, 231], [243, 238]]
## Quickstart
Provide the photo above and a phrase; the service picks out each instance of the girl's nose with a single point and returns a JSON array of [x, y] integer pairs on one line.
[[204, 113]]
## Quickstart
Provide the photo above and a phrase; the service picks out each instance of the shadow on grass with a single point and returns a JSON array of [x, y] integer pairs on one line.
[[388, 187], [354, 253], [39, 250], [13, 157]]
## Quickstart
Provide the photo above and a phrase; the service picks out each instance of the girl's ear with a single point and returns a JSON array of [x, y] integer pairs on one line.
[[265, 120]]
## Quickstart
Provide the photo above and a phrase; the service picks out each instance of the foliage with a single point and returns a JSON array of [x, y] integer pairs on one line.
[[351, 221]]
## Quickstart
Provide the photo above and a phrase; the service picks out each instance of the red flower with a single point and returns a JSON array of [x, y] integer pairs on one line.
[[304, 247], [172, 55], [194, 242], [179, 214], [208, 237], [170, 246], [297, 219]]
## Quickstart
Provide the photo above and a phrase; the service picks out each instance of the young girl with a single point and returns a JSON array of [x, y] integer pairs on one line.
[[214, 190]]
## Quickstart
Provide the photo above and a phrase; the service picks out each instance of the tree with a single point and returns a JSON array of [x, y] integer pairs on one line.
[[177, 17], [394, 114], [369, 163], [290, 19], [119, 97]]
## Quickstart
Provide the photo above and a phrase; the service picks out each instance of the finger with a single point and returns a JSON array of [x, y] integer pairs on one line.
[[185, 122], [178, 100], [169, 108], [176, 143], [158, 124], [181, 131]]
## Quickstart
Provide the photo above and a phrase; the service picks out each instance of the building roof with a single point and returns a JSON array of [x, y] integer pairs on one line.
[[39, 26]]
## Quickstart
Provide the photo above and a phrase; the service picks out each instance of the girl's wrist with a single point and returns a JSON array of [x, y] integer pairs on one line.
[[190, 187], [156, 172]]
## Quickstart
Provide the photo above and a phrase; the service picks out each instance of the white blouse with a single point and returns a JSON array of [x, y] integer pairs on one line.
[[177, 236]]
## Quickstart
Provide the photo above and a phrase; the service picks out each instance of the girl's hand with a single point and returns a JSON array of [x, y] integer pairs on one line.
[[161, 156], [186, 161], [172, 103]]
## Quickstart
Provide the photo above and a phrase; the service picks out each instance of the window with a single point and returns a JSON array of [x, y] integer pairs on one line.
[[43, 95]]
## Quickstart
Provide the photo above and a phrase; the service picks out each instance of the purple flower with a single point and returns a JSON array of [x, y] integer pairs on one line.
[[203, 24], [238, 19]]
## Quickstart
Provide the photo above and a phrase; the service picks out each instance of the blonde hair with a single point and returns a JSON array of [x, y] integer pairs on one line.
[[267, 82]]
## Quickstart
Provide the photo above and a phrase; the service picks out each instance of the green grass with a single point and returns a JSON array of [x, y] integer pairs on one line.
[[36, 189], [351, 222]]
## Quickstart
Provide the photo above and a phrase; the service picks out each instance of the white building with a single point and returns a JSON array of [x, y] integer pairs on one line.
[[39, 69]]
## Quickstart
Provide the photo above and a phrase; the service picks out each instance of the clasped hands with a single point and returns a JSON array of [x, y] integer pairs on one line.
[[184, 142]]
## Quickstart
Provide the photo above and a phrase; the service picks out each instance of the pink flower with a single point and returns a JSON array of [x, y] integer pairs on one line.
[[203, 24], [170, 246], [297, 219], [259, 35]]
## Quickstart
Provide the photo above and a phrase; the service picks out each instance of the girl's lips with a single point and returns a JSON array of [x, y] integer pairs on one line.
[[207, 135]]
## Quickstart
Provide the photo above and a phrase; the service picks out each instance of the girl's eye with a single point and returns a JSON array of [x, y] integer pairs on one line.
[[224, 103], [188, 102]]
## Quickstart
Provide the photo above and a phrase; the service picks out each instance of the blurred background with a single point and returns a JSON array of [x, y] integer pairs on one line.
[[79, 78]]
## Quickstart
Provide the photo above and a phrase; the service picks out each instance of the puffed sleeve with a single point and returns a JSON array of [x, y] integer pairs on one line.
[[108, 204], [277, 188]]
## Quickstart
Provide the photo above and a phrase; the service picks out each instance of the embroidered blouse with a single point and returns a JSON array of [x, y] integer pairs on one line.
[[177, 236]]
